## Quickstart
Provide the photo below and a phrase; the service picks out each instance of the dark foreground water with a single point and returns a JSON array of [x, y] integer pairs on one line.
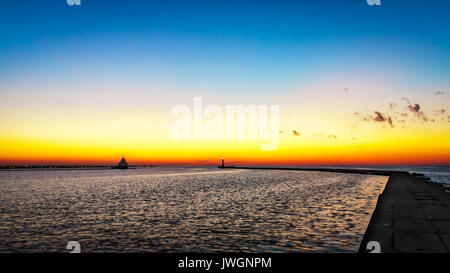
[[184, 210]]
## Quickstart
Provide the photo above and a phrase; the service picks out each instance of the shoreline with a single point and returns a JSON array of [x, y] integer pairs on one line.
[[57, 168]]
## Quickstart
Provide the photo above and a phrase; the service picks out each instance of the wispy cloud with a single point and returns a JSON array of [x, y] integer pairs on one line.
[[440, 111], [380, 117], [438, 93], [363, 117], [416, 109], [377, 117]]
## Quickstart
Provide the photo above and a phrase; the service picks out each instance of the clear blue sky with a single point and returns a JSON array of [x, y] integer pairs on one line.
[[220, 42]]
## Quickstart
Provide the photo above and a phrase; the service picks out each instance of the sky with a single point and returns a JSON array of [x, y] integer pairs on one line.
[[355, 84]]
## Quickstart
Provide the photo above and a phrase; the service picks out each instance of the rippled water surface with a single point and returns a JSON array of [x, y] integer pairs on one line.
[[185, 209]]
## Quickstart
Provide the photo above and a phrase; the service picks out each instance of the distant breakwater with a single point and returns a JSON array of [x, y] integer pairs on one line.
[[334, 170]]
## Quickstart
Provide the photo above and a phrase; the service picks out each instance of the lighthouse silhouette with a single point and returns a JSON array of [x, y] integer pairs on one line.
[[122, 164]]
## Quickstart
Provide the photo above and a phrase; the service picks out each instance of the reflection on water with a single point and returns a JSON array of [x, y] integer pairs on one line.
[[185, 209]]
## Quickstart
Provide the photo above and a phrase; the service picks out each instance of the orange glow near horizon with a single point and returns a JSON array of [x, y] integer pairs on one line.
[[55, 132], [422, 151]]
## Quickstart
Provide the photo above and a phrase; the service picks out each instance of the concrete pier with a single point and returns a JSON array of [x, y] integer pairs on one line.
[[332, 170], [412, 216]]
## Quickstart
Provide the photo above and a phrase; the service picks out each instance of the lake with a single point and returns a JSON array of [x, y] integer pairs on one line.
[[174, 209]]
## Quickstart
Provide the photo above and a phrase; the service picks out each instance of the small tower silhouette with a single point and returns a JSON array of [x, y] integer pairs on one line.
[[223, 162]]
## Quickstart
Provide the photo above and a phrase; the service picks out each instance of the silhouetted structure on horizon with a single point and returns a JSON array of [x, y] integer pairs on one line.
[[223, 163], [122, 164]]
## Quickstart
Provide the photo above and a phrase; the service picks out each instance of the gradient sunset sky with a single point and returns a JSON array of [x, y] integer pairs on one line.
[[358, 84]]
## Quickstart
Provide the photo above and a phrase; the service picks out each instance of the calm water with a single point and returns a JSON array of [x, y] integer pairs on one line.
[[185, 209], [437, 174], [440, 175]]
